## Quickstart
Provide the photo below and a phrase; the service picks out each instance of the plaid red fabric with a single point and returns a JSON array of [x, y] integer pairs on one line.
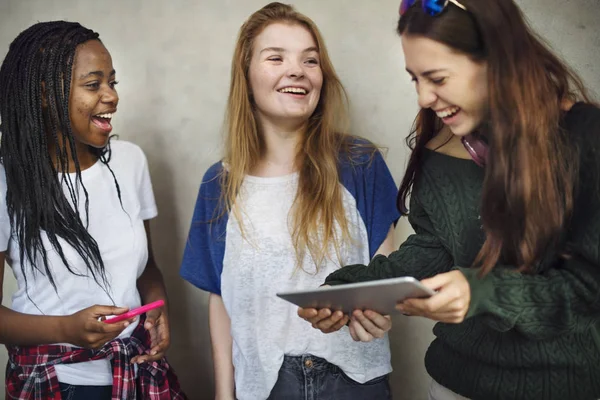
[[30, 373]]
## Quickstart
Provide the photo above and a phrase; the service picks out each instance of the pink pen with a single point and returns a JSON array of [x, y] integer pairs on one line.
[[135, 311]]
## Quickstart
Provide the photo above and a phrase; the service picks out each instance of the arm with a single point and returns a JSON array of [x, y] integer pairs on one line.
[[82, 329], [368, 325], [562, 297], [220, 336], [152, 288], [422, 255], [561, 301]]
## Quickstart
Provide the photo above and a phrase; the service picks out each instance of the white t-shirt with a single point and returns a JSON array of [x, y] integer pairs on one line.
[[264, 327], [248, 271], [121, 237]]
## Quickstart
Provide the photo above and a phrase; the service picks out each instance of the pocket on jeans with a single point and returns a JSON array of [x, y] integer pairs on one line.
[[374, 381]]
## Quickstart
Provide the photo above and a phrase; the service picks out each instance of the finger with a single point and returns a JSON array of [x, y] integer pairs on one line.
[[438, 281], [149, 358], [109, 329], [450, 310], [104, 324], [360, 331], [408, 310], [383, 322], [159, 337], [353, 332], [307, 313], [327, 323], [321, 315], [104, 328], [435, 303], [161, 347], [155, 353], [101, 311], [340, 324], [151, 318], [369, 326]]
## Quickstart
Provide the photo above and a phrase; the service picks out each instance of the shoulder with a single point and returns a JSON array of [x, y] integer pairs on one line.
[[126, 157], [582, 123], [583, 120], [362, 167], [213, 172], [211, 180], [123, 149], [360, 157]]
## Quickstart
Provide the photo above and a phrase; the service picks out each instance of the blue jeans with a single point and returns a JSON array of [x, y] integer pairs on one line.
[[75, 392], [312, 378]]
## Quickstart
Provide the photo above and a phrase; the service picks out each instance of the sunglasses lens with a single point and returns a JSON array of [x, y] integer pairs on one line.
[[405, 5], [434, 7]]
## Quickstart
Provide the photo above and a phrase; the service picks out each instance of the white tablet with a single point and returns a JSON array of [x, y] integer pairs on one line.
[[380, 296]]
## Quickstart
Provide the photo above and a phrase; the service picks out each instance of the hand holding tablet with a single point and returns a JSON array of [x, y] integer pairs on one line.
[[380, 296]]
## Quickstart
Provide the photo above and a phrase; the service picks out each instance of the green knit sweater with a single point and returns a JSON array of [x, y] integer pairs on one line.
[[525, 336]]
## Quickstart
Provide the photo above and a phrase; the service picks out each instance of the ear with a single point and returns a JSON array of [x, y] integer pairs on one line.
[[44, 96]]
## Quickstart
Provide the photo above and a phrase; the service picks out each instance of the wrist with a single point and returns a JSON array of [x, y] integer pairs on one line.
[[61, 331]]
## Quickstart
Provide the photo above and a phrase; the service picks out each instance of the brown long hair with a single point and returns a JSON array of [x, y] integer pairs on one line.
[[318, 205], [532, 167]]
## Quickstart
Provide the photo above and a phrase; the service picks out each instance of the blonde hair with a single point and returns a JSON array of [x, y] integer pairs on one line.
[[318, 205]]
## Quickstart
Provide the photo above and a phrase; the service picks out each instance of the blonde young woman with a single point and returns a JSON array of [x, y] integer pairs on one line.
[[293, 199]]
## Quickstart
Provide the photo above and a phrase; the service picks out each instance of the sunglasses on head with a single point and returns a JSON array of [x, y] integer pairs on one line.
[[431, 7]]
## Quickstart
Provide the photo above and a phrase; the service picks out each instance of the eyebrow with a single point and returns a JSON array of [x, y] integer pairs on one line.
[[99, 74], [426, 73], [282, 50]]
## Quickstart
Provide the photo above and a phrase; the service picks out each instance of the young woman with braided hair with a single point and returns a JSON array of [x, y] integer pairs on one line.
[[74, 211]]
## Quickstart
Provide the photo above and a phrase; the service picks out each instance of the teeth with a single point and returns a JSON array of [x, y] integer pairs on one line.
[[447, 112], [293, 90], [107, 116]]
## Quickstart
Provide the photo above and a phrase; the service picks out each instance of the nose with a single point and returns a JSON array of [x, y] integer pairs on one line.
[[427, 96], [295, 69], [110, 96]]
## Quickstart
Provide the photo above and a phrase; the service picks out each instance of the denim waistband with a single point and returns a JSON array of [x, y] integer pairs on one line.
[[300, 363]]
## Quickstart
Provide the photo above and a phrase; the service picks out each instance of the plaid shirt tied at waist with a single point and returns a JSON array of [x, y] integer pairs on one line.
[[30, 373]]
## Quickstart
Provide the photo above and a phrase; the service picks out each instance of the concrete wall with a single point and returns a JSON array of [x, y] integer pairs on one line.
[[173, 59]]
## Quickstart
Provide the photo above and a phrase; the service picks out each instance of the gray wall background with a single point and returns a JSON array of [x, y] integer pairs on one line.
[[173, 59]]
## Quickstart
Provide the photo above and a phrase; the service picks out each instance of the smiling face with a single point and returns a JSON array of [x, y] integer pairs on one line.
[[448, 82], [285, 75], [93, 99]]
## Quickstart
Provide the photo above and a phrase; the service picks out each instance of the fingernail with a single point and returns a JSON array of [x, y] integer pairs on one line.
[[126, 324], [153, 353]]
